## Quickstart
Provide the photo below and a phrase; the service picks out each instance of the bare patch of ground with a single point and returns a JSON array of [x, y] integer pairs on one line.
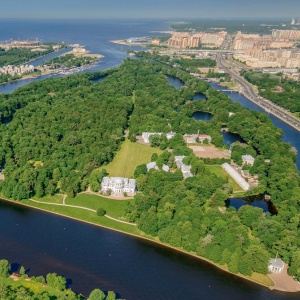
[[208, 151], [284, 282]]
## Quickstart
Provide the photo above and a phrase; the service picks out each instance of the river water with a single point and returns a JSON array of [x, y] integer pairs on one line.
[[90, 256]]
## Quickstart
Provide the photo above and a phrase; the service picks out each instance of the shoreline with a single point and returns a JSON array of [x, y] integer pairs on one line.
[[271, 287]]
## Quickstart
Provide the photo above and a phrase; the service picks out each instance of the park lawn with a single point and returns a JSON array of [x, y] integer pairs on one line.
[[114, 208], [84, 215], [129, 157], [219, 171]]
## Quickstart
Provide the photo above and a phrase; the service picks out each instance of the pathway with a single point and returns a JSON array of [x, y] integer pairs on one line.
[[81, 207], [284, 282]]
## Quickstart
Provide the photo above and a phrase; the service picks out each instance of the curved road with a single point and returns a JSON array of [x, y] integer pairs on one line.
[[251, 93]]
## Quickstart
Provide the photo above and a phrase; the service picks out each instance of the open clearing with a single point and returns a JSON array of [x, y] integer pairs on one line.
[[129, 157], [219, 171], [208, 151]]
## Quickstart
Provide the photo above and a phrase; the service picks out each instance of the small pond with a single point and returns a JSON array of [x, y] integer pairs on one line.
[[256, 201], [229, 138], [199, 96], [202, 116], [175, 82]]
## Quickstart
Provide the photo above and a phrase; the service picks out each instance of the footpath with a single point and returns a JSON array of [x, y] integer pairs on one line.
[[80, 207]]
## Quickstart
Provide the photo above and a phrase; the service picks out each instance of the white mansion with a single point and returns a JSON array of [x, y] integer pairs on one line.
[[118, 185]]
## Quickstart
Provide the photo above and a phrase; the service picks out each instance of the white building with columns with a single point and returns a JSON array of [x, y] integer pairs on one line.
[[118, 185]]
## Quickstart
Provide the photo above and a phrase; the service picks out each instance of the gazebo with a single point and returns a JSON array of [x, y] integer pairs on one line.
[[276, 265]]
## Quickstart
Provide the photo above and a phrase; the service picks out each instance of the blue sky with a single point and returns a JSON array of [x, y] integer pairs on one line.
[[175, 9]]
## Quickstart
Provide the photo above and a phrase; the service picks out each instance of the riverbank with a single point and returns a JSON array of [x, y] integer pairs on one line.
[[260, 279]]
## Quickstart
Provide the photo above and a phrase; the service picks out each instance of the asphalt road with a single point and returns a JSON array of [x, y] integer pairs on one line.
[[249, 91]]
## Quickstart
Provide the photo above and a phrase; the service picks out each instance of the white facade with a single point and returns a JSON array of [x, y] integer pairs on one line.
[[276, 265], [236, 176], [118, 185]]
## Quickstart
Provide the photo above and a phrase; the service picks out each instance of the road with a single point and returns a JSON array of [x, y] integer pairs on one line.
[[249, 91]]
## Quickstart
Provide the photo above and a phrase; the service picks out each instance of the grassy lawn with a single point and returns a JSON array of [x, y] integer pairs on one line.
[[84, 215], [219, 171], [50, 199], [114, 208], [129, 157]]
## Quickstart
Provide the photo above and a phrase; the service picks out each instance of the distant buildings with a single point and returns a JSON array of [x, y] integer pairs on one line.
[[16, 70], [259, 42], [268, 51], [118, 185], [286, 34], [184, 40]]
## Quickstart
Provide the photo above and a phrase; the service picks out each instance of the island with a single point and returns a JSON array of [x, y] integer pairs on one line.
[[96, 125]]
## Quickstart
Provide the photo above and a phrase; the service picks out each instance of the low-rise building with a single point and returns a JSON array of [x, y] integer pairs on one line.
[[186, 170], [192, 138], [276, 265], [151, 165], [118, 185], [236, 176], [248, 159], [146, 135]]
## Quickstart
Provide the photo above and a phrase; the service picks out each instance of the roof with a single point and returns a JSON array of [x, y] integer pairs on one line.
[[276, 262], [151, 165]]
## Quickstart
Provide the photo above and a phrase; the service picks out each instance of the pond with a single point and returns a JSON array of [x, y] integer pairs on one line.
[[202, 116], [199, 96], [175, 82], [229, 138], [256, 201]]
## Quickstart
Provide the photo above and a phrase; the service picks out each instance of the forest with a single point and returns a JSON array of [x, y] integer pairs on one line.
[[50, 287], [288, 95], [85, 124]]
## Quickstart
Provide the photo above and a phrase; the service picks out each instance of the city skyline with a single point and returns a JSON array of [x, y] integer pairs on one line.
[[175, 9]]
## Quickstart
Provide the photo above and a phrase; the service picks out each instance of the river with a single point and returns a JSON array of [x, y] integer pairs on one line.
[[90, 256]]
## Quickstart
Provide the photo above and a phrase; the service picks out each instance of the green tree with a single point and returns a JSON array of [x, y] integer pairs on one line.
[[96, 294], [56, 281], [101, 212], [22, 271], [4, 268]]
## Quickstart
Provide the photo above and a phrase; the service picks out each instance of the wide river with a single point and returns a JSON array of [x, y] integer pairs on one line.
[[89, 256]]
